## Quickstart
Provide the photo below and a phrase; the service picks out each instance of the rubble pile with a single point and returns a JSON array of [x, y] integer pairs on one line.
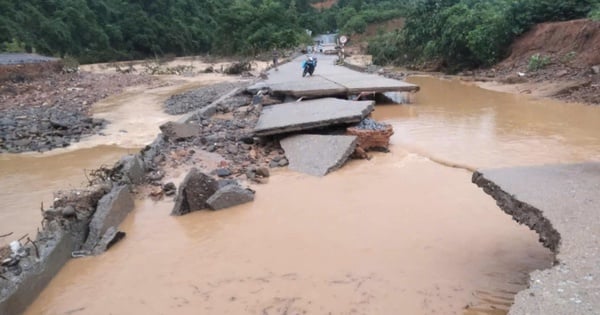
[[371, 135]]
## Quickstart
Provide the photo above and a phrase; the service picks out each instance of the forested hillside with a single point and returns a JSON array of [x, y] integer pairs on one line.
[[470, 33], [102, 30], [456, 33]]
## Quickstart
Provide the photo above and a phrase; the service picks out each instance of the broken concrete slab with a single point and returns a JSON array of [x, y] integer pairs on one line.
[[317, 154], [110, 238], [365, 82], [329, 80], [296, 116], [19, 291], [230, 196], [193, 193], [561, 203], [111, 211], [133, 167], [175, 131], [316, 86]]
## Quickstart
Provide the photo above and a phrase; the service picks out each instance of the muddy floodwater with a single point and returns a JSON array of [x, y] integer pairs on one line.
[[404, 233]]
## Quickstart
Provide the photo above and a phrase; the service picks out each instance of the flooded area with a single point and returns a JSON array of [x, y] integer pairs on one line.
[[402, 233], [477, 128], [28, 180]]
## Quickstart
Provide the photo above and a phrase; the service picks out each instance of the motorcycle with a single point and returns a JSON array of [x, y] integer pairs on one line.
[[308, 66]]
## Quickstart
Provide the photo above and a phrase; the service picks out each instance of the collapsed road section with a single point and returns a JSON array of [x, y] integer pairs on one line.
[[562, 204]]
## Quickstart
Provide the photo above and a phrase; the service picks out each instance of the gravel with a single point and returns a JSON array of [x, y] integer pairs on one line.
[[196, 99], [370, 124]]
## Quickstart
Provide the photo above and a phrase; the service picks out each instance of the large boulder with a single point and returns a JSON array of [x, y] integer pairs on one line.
[[193, 193], [229, 196]]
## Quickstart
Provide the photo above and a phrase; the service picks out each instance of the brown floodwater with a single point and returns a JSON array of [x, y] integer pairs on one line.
[[398, 234], [28, 180]]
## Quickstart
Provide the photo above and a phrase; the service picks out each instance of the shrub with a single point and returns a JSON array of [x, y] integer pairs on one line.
[[537, 62]]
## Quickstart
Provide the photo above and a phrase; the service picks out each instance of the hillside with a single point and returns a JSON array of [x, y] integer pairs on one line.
[[560, 59]]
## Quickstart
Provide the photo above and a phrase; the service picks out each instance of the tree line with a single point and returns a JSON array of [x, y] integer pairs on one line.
[[460, 33], [105, 30]]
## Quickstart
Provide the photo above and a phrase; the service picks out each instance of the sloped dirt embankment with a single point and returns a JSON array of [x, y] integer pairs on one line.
[[559, 59]]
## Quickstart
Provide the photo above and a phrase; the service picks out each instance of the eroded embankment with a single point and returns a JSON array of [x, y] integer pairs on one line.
[[559, 202], [521, 212]]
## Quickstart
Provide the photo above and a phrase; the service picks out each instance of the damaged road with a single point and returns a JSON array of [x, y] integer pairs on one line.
[[562, 204]]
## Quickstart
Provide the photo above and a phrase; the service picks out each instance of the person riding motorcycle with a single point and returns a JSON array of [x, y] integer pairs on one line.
[[309, 65]]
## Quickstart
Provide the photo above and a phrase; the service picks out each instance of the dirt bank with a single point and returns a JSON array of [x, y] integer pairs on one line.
[[559, 60]]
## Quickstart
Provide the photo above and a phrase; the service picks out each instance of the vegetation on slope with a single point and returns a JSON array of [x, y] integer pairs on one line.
[[469, 33]]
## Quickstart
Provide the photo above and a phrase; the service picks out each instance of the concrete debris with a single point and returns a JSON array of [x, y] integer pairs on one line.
[[133, 169], [196, 188], [110, 238], [308, 115], [175, 131], [229, 196], [315, 87], [317, 154], [111, 211], [26, 278]]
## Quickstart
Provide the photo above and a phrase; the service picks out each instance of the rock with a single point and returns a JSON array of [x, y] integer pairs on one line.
[[229, 196], [133, 168], [232, 148], [211, 148], [222, 172], [22, 142], [283, 162], [246, 147], [562, 73], [169, 189], [227, 182], [247, 139], [276, 158], [263, 171], [174, 131], [273, 164], [193, 193], [110, 212], [317, 154], [251, 174], [69, 211], [596, 69]]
